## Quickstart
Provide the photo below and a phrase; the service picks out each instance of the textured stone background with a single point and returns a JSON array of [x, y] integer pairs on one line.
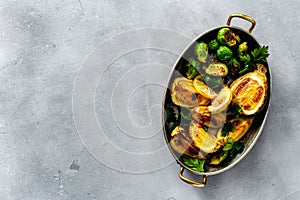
[[42, 47]]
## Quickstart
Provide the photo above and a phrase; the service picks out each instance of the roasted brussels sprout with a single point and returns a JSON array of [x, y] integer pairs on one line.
[[224, 53], [201, 50], [242, 49], [213, 45], [193, 67], [213, 82], [226, 37], [217, 69]]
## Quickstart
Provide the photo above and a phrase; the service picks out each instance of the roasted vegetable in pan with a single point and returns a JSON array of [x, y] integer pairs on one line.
[[224, 88], [201, 50], [184, 94], [226, 37], [213, 45], [251, 91], [193, 68], [204, 140], [238, 128], [213, 81], [222, 100], [217, 69], [182, 143], [202, 116], [234, 68], [219, 158], [202, 88], [224, 53]]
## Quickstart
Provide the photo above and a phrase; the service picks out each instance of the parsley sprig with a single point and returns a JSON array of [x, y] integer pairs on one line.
[[233, 147], [228, 127], [260, 54], [193, 163]]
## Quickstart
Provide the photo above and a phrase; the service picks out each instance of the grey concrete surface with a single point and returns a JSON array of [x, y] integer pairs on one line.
[[43, 46]]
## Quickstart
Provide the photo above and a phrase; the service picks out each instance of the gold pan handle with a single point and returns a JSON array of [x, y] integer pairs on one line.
[[191, 182], [242, 16]]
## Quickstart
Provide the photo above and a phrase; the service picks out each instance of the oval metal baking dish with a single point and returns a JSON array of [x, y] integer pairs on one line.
[[252, 135]]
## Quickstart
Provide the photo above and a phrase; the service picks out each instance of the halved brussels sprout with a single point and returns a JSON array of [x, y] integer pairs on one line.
[[201, 50], [217, 69], [213, 81], [226, 37], [241, 126], [237, 38]]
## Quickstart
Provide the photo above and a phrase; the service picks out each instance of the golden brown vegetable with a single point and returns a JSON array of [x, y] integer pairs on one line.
[[184, 94], [201, 115], [183, 144], [205, 141], [251, 91], [241, 126], [222, 100], [219, 158]]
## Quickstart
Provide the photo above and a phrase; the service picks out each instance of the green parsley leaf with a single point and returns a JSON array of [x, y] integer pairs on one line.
[[229, 145], [237, 111], [193, 163], [233, 112], [238, 146], [245, 58], [228, 127], [185, 118], [233, 147], [260, 54], [247, 68]]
